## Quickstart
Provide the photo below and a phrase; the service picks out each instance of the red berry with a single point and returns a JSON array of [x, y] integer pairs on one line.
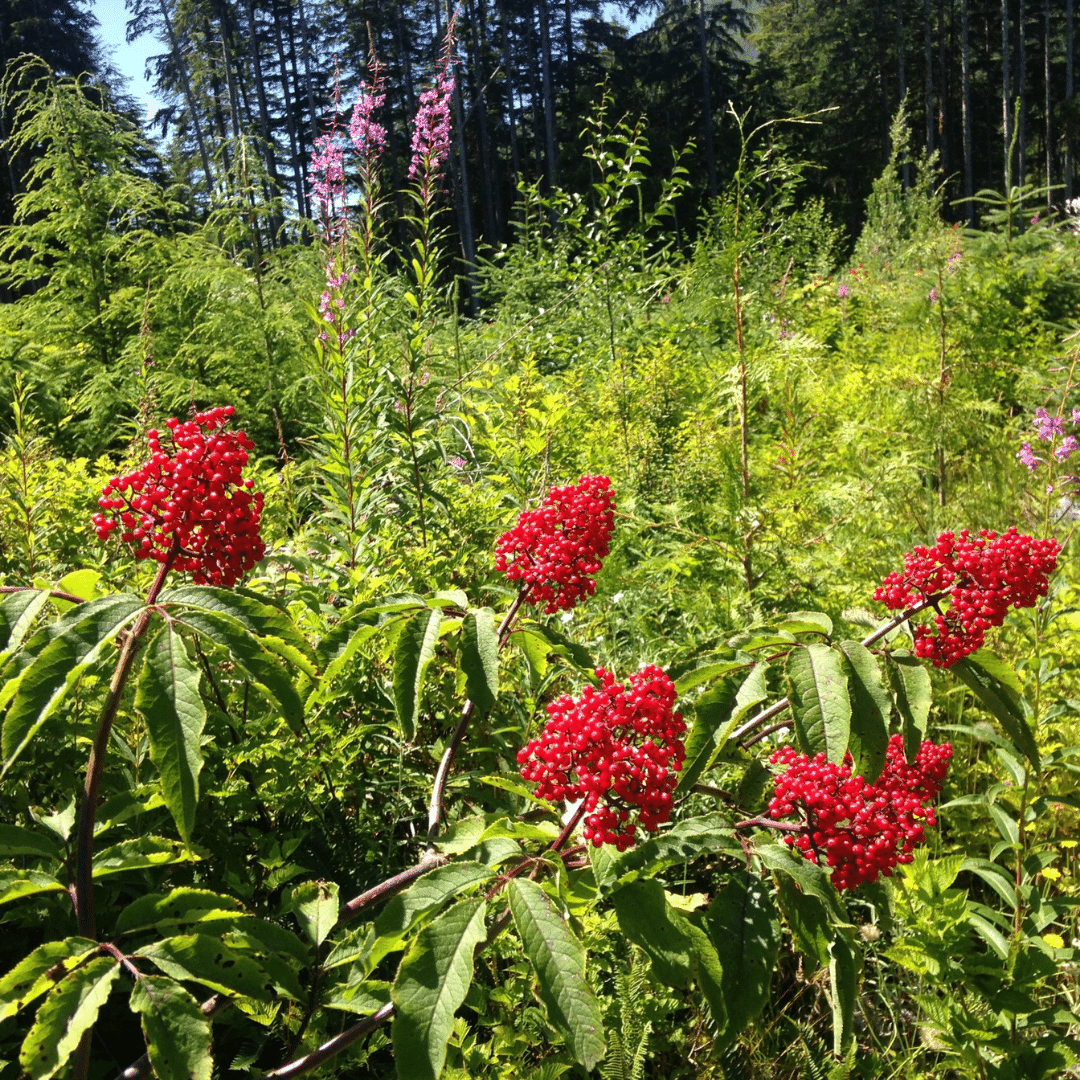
[[556, 551], [860, 830], [618, 748], [982, 578], [192, 506]]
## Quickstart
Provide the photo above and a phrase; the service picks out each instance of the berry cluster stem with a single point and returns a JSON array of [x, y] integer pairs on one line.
[[84, 856]]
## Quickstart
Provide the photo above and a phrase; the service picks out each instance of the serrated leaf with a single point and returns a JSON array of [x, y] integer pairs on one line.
[[428, 894], [16, 840], [716, 714], [744, 929], [81, 637], [870, 710], [809, 924], [251, 654], [173, 909], [711, 834], [209, 961], [996, 687], [646, 918], [558, 959], [412, 655], [913, 692], [315, 905], [802, 622], [338, 649], [819, 700], [176, 1031], [563, 646], [431, 984], [844, 982], [249, 609], [17, 614], [71, 1009], [15, 884], [536, 649], [139, 854], [169, 700], [480, 658], [39, 972], [811, 878]]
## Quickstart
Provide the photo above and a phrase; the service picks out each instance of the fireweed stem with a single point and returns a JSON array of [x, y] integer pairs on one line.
[[84, 857], [778, 707], [438, 791]]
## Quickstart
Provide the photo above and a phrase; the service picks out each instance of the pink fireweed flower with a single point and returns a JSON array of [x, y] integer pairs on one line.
[[1027, 456], [1046, 426], [328, 173], [431, 128], [369, 137]]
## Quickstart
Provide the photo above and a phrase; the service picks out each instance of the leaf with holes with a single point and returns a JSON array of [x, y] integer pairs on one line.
[[70, 1010], [204, 959], [315, 905], [39, 972], [176, 1031]]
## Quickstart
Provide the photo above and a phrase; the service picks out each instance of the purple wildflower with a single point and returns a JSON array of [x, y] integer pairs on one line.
[[431, 128], [952, 264], [1027, 457], [1076, 416], [1046, 426], [1066, 448], [843, 291], [368, 137], [456, 462], [932, 296]]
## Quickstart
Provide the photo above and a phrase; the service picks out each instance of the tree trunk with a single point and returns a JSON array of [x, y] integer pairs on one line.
[[476, 16], [508, 70], [905, 167], [549, 93], [965, 110], [1021, 87], [181, 66], [706, 99], [568, 36], [1006, 94], [1068, 95], [465, 226], [260, 91], [1048, 136], [928, 61], [296, 159], [305, 50]]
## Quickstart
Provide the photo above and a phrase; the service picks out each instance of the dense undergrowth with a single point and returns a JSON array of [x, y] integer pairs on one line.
[[780, 424]]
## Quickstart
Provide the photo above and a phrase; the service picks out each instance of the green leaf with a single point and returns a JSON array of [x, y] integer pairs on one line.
[[716, 714], [711, 834], [480, 658], [17, 614], [844, 981], [139, 854], [819, 699], [176, 1031], [39, 972], [415, 650], [559, 962], [252, 611], [696, 676], [15, 884], [208, 960], [912, 691], [536, 649], [15, 840], [250, 653], [811, 878], [315, 905], [650, 922], [743, 926], [870, 710], [428, 894], [563, 646], [804, 622], [168, 698], [83, 634], [431, 984], [808, 921], [997, 689], [71, 1009], [174, 909], [339, 647]]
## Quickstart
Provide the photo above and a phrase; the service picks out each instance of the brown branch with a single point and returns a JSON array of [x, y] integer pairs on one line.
[[390, 887], [54, 594]]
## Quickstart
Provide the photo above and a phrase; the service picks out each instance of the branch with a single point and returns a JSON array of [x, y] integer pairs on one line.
[[54, 594]]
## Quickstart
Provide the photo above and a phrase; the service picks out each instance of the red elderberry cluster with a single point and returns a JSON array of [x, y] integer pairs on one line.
[[984, 576], [556, 551], [189, 505], [861, 830], [616, 747]]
